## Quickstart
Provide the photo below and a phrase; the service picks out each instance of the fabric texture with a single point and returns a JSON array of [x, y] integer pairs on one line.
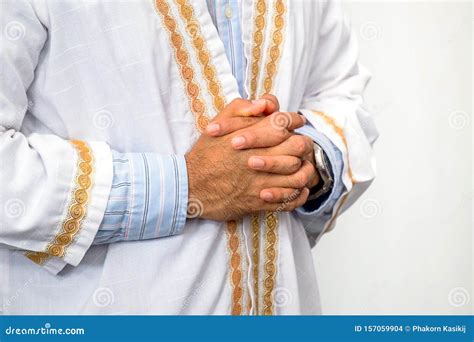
[[83, 79]]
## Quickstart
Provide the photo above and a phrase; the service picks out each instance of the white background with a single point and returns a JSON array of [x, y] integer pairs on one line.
[[406, 246]]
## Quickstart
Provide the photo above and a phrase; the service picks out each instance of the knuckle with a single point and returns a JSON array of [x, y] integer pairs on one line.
[[296, 117], [271, 163], [295, 163], [238, 101], [300, 180], [309, 143], [248, 120], [307, 140], [310, 168], [273, 117], [277, 195], [299, 144], [271, 97], [250, 138], [280, 120], [282, 133], [303, 119], [288, 195]]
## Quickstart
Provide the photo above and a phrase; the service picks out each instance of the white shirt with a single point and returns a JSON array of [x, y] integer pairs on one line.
[[141, 62]]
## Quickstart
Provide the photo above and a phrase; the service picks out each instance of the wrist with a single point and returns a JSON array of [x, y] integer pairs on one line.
[[323, 168], [195, 207]]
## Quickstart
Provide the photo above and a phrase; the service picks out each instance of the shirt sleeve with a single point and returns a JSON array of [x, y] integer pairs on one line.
[[148, 198], [333, 102], [56, 193], [314, 214], [53, 190]]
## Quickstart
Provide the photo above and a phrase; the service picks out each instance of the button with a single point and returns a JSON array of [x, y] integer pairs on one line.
[[228, 12]]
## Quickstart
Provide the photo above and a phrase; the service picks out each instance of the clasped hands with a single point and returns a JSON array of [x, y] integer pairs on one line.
[[249, 159]]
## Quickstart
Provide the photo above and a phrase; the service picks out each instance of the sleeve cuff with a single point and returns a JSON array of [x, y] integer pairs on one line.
[[148, 199], [337, 163], [84, 209], [175, 198], [98, 198], [54, 265]]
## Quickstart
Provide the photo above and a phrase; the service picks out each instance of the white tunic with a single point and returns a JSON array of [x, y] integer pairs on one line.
[[65, 62]]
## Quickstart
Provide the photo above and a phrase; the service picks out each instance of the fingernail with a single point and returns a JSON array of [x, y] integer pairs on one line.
[[259, 102], [238, 142], [266, 195], [213, 128], [256, 163]]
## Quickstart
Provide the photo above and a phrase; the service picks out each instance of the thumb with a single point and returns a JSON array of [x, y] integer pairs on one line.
[[228, 121], [251, 108], [240, 107]]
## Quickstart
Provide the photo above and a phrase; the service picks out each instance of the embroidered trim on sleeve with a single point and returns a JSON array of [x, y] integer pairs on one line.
[[77, 210], [340, 132]]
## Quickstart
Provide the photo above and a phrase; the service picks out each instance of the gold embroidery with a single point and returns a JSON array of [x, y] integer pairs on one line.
[[336, 214], [37, 257], [339, 131], [258, 37], [182, 58], [271, 219], [271, 234], [258, 40], [200, 47], [214, 88], [236, 276], [77, 209], [255, 223], [275, 51], [198, 108]]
